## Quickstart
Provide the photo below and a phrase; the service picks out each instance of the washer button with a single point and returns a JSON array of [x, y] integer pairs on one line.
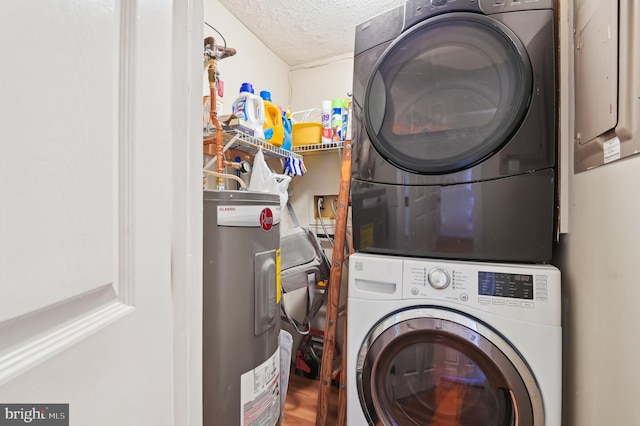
[[438, 278], [415, 291], [464, 297]]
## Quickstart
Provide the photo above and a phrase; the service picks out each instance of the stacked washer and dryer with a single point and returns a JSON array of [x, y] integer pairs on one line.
[[453, 309]]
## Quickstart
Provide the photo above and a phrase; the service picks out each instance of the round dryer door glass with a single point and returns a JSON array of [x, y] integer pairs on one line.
[[424, 370], [448, 93]]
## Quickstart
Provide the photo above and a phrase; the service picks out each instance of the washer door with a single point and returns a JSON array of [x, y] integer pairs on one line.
[[448, 93], [431, 366]]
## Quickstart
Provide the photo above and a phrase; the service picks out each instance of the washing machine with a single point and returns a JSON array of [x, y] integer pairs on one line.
[[439, 342], [454, 121]]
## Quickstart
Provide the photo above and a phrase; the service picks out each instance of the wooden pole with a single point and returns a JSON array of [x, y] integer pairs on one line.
[[335, 280], [342, 393]]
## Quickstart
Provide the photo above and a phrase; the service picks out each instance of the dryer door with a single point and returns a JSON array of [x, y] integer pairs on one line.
[[431, 366], [448, 93]]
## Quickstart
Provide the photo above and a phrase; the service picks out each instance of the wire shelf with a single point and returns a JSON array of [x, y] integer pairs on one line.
[[235, 139], [318, 147]]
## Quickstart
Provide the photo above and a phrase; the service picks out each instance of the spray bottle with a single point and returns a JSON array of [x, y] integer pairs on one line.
[[327, 133]]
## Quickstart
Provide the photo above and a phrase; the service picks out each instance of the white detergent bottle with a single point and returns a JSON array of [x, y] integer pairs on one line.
[[259, 116], [250, 108]]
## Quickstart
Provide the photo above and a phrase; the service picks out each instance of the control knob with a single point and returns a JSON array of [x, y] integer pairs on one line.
[[438, 278]]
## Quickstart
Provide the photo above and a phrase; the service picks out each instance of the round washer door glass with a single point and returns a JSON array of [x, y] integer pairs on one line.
[[448, 93], [424, 370]]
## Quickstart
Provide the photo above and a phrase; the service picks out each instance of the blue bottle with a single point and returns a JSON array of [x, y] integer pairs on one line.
[[286, 122]]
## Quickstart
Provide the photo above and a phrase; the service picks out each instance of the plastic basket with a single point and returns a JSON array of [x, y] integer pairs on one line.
[[305, 131], [306, 115]]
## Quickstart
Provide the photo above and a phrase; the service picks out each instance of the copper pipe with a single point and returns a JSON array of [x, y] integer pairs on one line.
[[221, 163], [216, 123]]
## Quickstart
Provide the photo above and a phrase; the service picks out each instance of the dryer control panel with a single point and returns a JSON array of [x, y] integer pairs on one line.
[[418, 10]]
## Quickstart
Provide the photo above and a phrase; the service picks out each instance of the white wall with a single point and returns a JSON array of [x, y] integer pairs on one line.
[[310, 85], [600, 265], [254, 62], [327, 79]]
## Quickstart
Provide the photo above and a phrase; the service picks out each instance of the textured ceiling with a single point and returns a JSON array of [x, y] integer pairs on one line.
[[302, 31]]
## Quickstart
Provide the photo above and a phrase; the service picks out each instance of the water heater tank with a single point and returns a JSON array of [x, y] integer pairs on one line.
[[241, 322]]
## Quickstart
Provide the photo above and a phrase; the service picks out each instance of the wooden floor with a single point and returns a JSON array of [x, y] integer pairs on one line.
[[302, 399]]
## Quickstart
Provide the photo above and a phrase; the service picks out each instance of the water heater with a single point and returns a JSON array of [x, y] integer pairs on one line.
[[241, 322]]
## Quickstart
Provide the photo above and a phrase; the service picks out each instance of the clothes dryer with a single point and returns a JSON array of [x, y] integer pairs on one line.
[[433, 342], [455, 131]]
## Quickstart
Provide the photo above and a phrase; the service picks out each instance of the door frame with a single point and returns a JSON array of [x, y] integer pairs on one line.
[[188, 33]]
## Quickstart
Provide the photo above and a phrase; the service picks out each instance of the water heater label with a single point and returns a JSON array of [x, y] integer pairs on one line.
[[260, 393], [249, 216]]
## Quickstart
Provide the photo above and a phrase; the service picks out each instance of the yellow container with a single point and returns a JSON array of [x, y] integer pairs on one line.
[[308, 133], [273, 120]]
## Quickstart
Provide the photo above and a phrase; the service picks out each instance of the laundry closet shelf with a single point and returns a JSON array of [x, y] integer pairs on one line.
[[244, 142], [318, 148]]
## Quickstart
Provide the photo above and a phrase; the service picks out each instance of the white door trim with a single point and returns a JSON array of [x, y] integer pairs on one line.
[[187, 49]]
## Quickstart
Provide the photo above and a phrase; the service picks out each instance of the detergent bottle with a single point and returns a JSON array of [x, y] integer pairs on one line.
[[273, 127], [250, 108], [288, 135]]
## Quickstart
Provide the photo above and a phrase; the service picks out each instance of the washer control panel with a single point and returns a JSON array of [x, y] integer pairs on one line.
[[487, 286], [520, 292]]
